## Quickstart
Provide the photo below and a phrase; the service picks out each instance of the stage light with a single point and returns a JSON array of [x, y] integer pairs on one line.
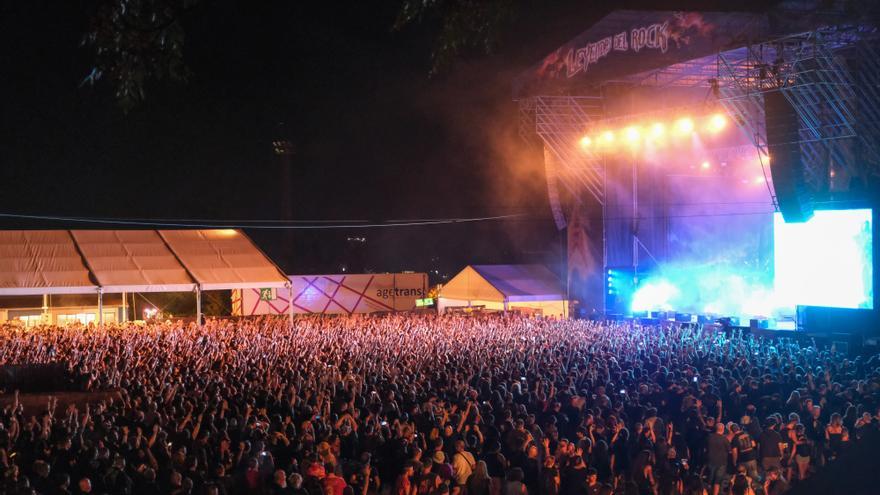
[[684, 125], [706, 165], [607, 137], [759, 179], [585, 142], [717, 123], [657, 130], [632, 135]]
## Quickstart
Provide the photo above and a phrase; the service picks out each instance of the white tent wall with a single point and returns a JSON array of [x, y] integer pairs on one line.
[[557, 308], [336, 294], [444, 303]]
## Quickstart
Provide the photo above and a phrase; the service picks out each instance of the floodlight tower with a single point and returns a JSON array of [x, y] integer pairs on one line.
[[283, 150]]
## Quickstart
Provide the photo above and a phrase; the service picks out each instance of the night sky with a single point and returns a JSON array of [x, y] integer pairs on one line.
[[375, 138]]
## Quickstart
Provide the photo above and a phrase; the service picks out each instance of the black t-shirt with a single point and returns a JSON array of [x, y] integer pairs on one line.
[[745, 450], [717, 448], [574, 481], [769, 443]]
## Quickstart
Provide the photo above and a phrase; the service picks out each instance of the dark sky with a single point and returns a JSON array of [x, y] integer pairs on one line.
[[375, 138]]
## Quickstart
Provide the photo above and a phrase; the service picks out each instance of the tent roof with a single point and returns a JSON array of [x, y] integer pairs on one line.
[[82, 261], [132, 261], [500, 282], [223, 259], [41, 262], [470, 285]]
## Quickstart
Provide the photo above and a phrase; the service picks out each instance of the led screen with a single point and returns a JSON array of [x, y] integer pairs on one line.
[[825, 261]]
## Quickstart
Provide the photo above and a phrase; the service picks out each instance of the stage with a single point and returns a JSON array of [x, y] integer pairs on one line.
[[697, 173]]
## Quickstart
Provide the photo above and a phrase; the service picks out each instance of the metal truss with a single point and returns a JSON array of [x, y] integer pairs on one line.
[[559, 122], [830, 76]]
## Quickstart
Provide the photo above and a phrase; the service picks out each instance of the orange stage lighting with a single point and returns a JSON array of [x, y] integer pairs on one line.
[[684, 126], [632, 135], [607, 137], [717, 123], [585, 142], [657, 130]]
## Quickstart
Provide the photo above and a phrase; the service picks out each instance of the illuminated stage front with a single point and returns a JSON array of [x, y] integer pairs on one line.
[[667, 166]]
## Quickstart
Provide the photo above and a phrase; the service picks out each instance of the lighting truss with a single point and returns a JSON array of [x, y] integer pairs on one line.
[[559, 122], [831, 77]]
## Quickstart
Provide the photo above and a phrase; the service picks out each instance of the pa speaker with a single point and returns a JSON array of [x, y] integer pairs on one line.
[[786, 166]]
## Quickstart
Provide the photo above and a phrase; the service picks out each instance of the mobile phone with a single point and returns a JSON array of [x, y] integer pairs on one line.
[[384, 423], [623, 391], [695, 379]]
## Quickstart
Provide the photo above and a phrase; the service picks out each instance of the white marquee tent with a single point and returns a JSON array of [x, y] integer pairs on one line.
[[531, 288], [43, 262]]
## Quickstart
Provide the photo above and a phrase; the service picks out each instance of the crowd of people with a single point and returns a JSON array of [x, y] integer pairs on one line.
[[431, 405]]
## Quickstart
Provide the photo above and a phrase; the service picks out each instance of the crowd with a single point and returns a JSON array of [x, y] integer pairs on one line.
[[432, 405]]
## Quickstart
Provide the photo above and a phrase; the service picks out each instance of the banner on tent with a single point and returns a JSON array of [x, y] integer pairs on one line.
[[335, 294]]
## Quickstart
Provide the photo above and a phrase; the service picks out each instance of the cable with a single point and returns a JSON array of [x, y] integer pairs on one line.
[[220, 224], [520, 216]]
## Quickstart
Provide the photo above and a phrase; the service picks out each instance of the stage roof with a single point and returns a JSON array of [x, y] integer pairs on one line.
[[513, 283], [84, 261], [627, 42]]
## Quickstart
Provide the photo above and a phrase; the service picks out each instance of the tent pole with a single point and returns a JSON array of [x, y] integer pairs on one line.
[[45, 314], [124, 307], [199, 306], [100, 307], [290, 304]]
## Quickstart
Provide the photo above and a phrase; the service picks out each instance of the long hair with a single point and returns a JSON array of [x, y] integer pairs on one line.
[[481, 471]]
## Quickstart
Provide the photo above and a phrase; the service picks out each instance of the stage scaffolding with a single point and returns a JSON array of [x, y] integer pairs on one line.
[[830, 76]]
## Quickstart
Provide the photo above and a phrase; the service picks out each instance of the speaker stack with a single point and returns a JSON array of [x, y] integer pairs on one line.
[[787, 166]]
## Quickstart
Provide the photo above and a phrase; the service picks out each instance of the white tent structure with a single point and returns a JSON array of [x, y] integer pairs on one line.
[[119, 261], [528, 288]]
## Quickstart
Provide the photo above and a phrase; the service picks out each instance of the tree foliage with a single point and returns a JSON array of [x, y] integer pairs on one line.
[[135, 42], [138, 42], [465, 25]]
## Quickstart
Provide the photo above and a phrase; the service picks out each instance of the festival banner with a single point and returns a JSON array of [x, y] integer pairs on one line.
[[627, 42]]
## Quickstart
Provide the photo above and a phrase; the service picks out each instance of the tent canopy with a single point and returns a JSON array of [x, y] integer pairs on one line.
[[83, 261], [132, 261], [511, 283], [41, 262], [223, 259]]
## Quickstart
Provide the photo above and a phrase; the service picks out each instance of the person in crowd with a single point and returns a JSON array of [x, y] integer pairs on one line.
[[405, 404], [717, 452], [478, 481]]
